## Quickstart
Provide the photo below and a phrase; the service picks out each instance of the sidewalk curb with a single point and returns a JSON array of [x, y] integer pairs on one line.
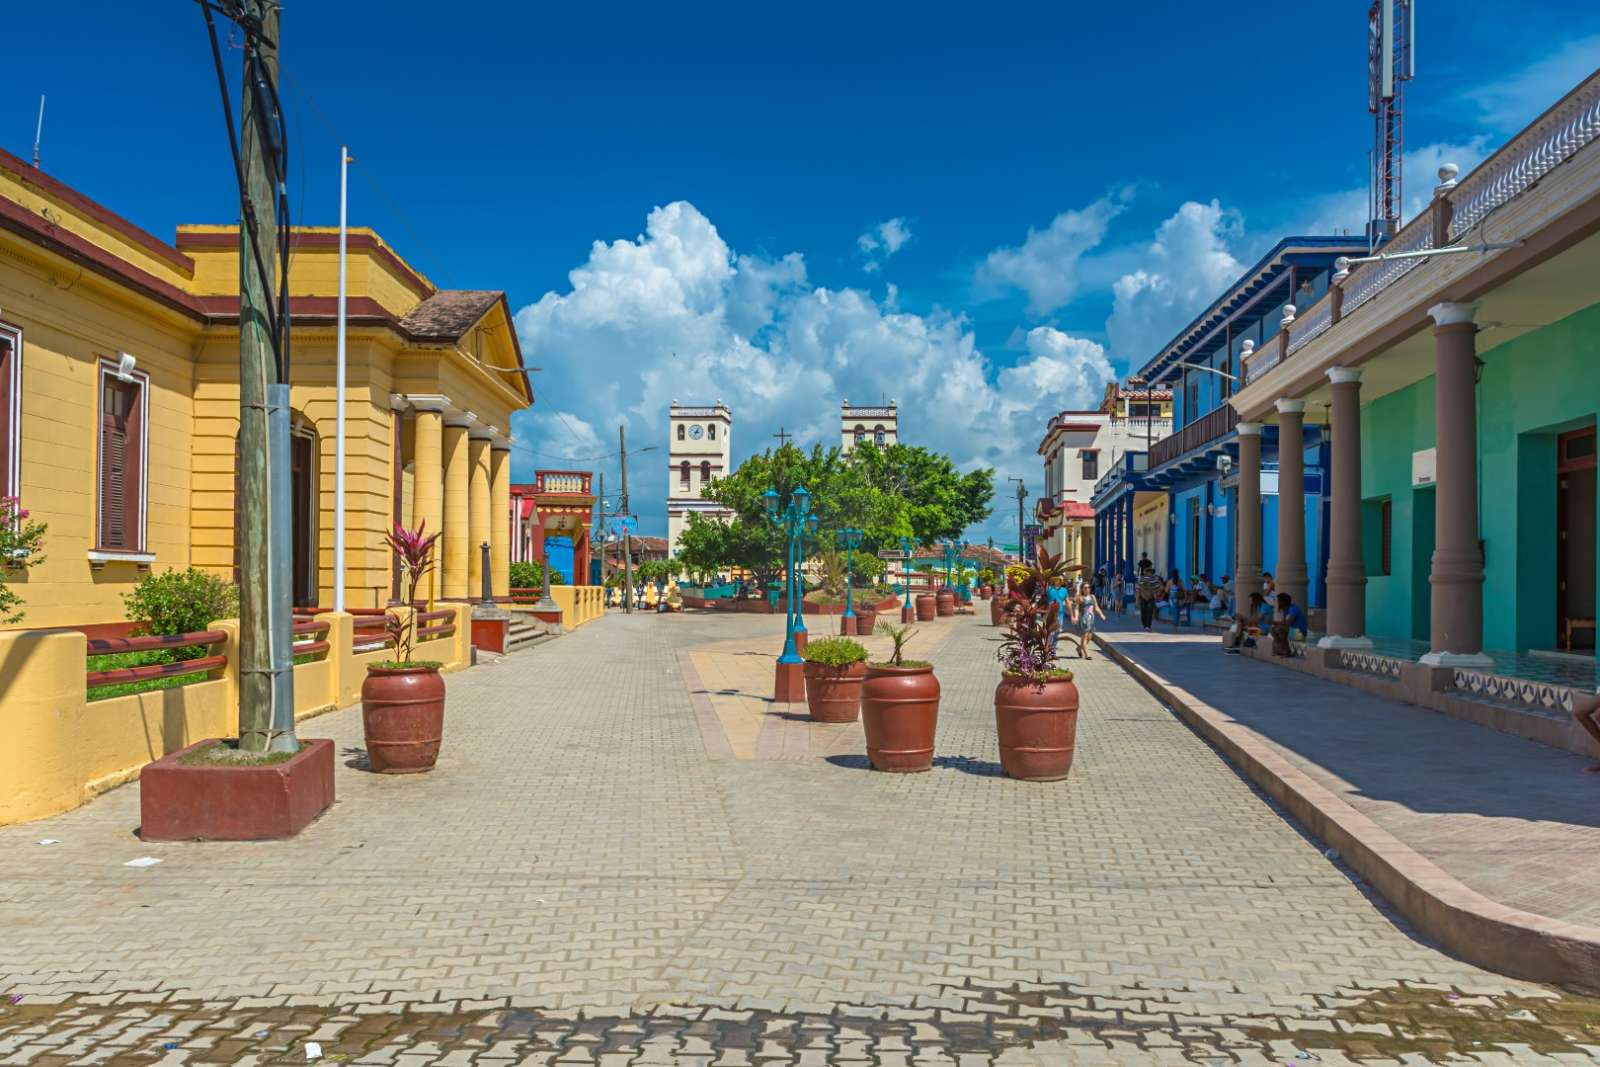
[[1461, 920]]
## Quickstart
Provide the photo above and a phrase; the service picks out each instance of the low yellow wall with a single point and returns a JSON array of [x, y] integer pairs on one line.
[[580, 604], [61, 750]]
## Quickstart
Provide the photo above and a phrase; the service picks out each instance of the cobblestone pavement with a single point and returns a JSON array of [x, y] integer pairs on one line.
[[581, 881]]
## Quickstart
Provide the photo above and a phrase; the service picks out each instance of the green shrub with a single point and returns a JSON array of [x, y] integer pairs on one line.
[[529, 574], [180, 602], [835, 652]]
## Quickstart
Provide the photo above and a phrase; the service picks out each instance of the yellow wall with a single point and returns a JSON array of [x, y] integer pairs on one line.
[[66, 330], [62, 749], [71, 318], [580, 604]]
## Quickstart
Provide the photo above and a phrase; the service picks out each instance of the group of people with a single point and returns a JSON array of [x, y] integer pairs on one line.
[[1151, 594], [1079, 604], [1269, 613]]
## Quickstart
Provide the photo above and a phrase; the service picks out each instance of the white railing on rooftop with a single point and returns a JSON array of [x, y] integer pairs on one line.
[[1553, 138]]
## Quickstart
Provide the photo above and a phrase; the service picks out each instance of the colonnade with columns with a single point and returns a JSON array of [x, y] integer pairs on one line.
[[461, 478], [1456, 574]]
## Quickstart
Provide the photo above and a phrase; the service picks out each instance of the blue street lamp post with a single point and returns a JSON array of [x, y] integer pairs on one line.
[[907, 612], [849, 539], [794, 520]]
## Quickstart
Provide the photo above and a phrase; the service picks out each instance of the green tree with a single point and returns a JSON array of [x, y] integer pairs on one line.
[[20, 544]]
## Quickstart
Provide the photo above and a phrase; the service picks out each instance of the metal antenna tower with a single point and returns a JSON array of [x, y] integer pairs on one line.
[[1391, 62]]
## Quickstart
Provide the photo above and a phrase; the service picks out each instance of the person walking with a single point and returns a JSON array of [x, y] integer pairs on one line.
[[1118, 594], [1177, 599], [1084, 618], [1147, 591]]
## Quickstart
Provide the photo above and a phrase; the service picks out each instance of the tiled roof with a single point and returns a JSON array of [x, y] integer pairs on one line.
[[448, 314]]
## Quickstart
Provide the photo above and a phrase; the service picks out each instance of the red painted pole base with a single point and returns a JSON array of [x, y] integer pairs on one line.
[[847, 625], [800, 640], [789, 684], [907, 613]]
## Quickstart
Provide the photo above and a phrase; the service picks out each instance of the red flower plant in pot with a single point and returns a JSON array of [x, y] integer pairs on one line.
[[402, 700], [1036, 703]]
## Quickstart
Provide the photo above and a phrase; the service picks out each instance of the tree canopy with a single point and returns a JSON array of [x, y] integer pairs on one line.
[[889, 493]]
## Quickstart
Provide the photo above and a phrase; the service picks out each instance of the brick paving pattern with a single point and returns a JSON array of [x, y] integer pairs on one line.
[[1515, 820], [584, 880]]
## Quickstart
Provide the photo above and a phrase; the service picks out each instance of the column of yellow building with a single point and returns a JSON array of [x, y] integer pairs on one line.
[[427, 495], [457, 475], [500, 516], [478, 498]]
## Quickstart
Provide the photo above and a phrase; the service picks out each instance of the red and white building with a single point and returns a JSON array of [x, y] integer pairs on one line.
[[1080, 446]]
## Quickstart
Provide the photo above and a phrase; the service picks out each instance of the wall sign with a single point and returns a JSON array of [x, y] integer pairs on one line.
[[1424, 466]]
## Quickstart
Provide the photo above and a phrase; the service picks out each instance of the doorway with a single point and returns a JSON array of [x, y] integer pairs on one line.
[[1575, 540], [303, 492], [1422, 532]]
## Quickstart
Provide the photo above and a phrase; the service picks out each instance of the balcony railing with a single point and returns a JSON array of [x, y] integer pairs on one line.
[[1554, 137], [561, 482], [1207, 428]]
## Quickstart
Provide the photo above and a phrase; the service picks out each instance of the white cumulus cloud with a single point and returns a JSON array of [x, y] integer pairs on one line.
[[1183, 270], [1046, 265], [675, 313], [883, 241]]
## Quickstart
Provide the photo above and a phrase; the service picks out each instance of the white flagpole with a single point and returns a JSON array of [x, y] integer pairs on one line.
[[338, 448]]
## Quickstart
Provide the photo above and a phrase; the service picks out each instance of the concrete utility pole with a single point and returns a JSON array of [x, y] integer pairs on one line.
[[1022, 493], [600, 502], [627, 535], [266, 664]]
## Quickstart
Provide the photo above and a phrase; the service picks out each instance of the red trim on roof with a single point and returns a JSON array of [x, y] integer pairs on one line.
[[62, 191]]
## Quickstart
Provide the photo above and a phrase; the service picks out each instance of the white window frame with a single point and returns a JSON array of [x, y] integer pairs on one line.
[[108, 369], [11, 478]]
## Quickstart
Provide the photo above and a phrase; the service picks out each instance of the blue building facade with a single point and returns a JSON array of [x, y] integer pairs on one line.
[[1193, 467]]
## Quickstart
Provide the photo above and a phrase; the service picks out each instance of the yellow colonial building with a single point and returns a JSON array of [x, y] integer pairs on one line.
[[119, 406]]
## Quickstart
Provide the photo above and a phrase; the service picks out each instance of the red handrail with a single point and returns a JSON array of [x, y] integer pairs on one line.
[[118, 675], [101, 646]]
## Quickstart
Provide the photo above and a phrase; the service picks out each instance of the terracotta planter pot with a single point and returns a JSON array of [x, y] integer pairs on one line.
[[833, 694], [900, 715], [1038, 727], [866, 619], [926, 607], [997, 611], [402, 718], [946, 602]]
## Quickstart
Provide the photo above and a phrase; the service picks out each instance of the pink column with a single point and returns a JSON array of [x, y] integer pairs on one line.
[[1456, 636], [1347, 568], [1247, 566], [1292, 577]]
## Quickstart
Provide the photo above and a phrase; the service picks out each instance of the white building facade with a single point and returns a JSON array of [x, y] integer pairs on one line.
[[699, 451], [1078, 448], [858, 425]]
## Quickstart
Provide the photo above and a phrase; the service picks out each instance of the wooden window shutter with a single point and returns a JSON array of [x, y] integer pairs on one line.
[[121, 466], [7, 371]]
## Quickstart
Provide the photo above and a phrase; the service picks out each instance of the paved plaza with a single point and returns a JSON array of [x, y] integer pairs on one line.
[[628, 856]]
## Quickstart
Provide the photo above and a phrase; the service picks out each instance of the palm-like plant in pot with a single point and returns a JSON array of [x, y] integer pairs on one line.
[[900, 708], [1036, 702], [402, 699]]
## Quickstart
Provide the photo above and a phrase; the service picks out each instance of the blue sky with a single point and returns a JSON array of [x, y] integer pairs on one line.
[[1046, 192]]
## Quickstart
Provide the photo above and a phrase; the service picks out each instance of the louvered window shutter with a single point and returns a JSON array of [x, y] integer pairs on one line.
[[120, 464], [7, 371]]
